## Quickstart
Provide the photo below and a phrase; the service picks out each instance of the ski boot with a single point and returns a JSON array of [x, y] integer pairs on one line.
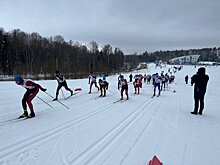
[[25, 114], [55, 99], [71, 93], [32, 114]]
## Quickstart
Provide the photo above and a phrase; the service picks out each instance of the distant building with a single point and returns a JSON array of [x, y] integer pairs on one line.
[[208, 63], [190, 59], [142, 65]]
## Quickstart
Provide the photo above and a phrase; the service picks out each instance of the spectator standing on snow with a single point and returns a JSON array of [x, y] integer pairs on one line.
[[61, 83], [199, 80], [32, 90], [186, 79]]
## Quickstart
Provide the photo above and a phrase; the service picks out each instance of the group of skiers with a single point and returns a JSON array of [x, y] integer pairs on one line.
[[159, 82], [32, 89]]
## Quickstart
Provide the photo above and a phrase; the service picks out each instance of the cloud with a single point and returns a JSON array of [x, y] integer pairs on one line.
[[133, 26]]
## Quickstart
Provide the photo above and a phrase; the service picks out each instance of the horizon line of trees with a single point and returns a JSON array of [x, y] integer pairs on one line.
[[31, 54]]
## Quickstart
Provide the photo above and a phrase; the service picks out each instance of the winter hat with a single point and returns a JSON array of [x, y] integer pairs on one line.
[[18, 79], [201, 70]]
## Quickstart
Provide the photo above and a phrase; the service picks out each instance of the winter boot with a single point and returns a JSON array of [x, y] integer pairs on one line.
[[32, 114], [194, 113], [25, 114], [200, 112]]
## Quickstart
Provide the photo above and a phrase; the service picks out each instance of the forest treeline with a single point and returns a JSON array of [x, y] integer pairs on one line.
[[23, 53]]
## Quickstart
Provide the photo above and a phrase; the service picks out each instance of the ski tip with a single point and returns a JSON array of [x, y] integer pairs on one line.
[[78, 89]]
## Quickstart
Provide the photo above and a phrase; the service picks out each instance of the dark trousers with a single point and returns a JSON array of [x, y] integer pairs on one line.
[[199, 103], [162, 85], [93, 82], [156, 85], [63, 84], [124, 88]]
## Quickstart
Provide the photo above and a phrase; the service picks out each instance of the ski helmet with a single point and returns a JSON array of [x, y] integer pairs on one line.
[[18, 79]]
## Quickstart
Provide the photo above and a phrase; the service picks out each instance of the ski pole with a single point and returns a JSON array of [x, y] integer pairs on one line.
[[44, 101], [63, 94], [57, 100]]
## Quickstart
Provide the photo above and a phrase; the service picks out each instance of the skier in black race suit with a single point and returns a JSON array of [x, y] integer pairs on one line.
[[61, 83], [122, 83]]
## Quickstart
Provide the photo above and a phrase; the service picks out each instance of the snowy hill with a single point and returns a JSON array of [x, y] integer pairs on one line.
[[97, 131]]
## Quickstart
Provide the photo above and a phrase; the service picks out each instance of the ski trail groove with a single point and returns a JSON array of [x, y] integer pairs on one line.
[[110, 137], [26, 144]]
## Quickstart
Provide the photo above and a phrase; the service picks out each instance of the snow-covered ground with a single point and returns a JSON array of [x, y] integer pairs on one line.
[[97, 131]]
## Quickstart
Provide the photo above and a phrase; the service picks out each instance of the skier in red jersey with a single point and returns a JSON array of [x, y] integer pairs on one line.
[[32, 90]]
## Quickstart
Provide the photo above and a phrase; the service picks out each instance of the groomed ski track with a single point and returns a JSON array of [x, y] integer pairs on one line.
[[96, 131]]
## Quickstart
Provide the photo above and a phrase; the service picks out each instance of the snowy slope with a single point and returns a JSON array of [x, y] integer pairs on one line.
[[98, 131]]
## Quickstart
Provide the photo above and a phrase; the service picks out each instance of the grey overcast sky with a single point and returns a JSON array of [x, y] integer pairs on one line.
[[131, 25]]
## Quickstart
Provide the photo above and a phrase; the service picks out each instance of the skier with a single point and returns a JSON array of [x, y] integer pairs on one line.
[[92, 80], [137, 84], [166, 79], [103, 76], [32, 90], [186, 79], [156, 79], [148, 79], [145, 78], [130, 77], [163, 79], [123, 85], [61, 83], [103, 85], [200, 80]]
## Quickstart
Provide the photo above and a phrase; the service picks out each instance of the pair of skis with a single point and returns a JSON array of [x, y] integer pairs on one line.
[[71, 95], [154, 96], [10, 121], [121, 101]]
